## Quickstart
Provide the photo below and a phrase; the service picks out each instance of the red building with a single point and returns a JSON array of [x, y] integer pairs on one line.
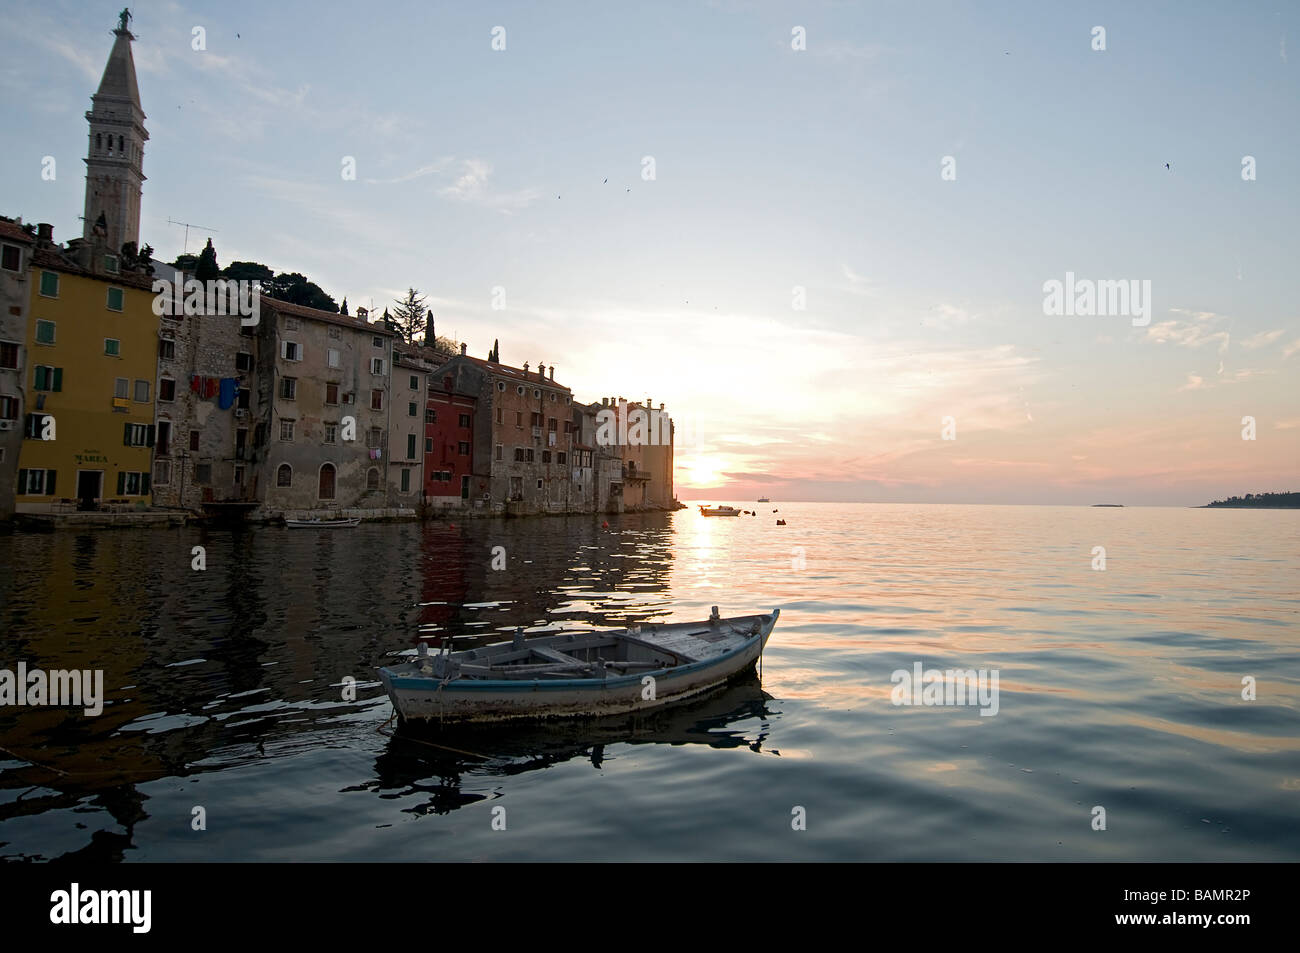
[[449, 440]]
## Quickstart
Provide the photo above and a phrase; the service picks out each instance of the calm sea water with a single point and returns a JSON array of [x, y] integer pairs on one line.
[[1119, 688]]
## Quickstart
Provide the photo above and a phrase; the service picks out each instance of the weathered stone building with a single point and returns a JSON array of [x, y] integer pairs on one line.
[[321, 441], [406, 428], [15, 296], [207, 403]]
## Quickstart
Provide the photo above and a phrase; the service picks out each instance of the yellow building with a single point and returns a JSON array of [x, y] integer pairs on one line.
[[92, 358]]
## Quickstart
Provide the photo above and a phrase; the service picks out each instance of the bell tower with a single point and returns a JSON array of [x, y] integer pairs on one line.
[[115, 156]]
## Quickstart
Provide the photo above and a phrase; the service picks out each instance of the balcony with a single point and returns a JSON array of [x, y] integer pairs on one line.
[[633, 475]]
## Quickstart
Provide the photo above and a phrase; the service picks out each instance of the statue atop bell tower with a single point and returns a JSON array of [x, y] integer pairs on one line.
[[115, 155]]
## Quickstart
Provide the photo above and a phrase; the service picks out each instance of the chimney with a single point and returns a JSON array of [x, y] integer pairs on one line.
[[363, 314], [463, 346], [661, 406], [45, 231], [525, 368], [552, 372], [541, 371], [604, 402]]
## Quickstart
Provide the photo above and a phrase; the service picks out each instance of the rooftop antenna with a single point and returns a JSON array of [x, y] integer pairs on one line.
[[185, 249]]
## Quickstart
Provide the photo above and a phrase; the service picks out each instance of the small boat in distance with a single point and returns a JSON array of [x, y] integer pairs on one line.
[[719, 511], [320, 523], [577, 674], [764, 499]]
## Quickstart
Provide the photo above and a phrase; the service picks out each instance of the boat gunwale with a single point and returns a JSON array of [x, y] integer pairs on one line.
[[428, 683]]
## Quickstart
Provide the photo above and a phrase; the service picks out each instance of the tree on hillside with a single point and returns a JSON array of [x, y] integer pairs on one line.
[[206, 269], [296, 289], [344, 309], [248, 271], [410, 318]]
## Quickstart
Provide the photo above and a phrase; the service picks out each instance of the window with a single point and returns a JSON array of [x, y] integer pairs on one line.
[[47, 378], [406, 480], [284, 475], [325, 488], [376, 400], [121, 388], [372, 479], [49, 284], [142, 392], [33, 426], [194, 440], [332, 357], [291, 324], [290, 351], [8, 407], [162, 472], [331, 393], [546, 456], [464, 420], [166, 389], [167, 350], [463, 448], [376, 365], [45, 331], [114, 302], [519, 454], [411, 410], [520, 390], [9, 355], [286, 429], [334, 334], [203, 473], [110, 264], [377, 341], [539, 484], [535, 419], [536, 393], [499, 450], [519, 418], [552, 398], [131, 483], [428, 441], [164, 438], [375, 438], [36, 482], [410, 446], [550, 424], [136, 435], [528, 455], [239, 476], [561, 458], [430, 417], [11, 258], [243, 361], [501, 416], [415, 382], [501, 385], [331, 433], [244, 394], [289, 388]]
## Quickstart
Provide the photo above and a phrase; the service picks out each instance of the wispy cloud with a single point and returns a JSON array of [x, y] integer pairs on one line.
[[472, 186]]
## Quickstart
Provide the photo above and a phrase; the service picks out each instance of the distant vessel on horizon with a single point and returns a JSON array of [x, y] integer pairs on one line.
[[1109, 504], [763, 499]]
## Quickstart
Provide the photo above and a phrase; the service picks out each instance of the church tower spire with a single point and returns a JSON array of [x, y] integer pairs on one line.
[[115, 156]]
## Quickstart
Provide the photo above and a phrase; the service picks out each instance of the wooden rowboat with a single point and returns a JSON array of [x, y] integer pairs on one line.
[[321, 524], [577, 673]]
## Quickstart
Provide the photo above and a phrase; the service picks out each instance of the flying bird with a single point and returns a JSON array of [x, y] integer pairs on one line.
[[1167, 167]]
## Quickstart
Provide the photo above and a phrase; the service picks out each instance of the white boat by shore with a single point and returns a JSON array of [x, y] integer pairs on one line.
[[578, 673], [321, 524], [719, 511]]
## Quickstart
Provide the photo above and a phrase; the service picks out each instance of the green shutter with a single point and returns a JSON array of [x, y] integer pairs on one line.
[[149, 436], [38, 379], [22, 482], [144, 483], [126, 435], [49, 481], [121, 482], [58, 378]]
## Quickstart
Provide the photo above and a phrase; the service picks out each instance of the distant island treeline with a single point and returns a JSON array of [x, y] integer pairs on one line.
[[1289, 500]]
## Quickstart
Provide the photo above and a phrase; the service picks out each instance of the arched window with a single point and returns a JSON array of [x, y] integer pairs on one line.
[[284, 475], [121, 144], [372, 478], [327, 481], [99, 142]]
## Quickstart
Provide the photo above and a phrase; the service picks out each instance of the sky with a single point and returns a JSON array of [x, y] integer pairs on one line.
[[821, 260]]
